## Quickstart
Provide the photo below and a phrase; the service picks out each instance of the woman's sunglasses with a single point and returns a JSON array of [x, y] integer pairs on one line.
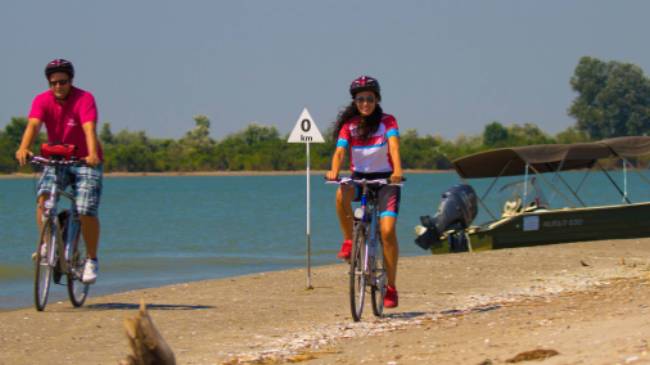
[[367, 99]]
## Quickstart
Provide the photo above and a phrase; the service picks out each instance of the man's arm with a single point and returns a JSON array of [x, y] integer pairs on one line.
[[31, 131], [90, 131]]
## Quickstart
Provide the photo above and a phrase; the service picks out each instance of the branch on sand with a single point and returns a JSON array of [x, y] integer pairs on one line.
[[147, 345]]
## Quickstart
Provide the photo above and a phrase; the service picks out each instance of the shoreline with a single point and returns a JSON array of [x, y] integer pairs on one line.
[[212, 173], [586, 301]]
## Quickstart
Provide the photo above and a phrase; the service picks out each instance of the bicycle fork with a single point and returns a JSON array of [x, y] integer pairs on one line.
[[374, 274]]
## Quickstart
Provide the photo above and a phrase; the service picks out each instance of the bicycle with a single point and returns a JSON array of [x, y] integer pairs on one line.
[[58, 250], [367, 269]]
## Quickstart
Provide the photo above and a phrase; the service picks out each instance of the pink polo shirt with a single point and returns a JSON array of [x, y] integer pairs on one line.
[[63, 122]]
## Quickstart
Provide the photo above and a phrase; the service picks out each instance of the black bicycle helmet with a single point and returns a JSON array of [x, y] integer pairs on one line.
[[59, 65], [365, 83]]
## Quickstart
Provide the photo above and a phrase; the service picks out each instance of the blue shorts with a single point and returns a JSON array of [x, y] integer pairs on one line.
[[86, 185]]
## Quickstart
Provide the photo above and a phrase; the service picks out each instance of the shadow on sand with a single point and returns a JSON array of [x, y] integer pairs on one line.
[[448, 312], [405, 315], [135, 306]]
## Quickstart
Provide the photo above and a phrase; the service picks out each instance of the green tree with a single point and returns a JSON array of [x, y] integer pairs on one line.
[[131, 151], [15, 129], [421, 152], [10, 141], [527, 134], [572, 135], [613, 99], [199, 136], [197, 151], [7, 161], [495, 135], [106, 135]]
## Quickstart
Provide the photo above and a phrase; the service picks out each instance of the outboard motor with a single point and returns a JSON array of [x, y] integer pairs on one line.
[[456, 211]]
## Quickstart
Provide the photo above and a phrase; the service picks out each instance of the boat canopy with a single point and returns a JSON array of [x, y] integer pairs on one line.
[[549, 157]]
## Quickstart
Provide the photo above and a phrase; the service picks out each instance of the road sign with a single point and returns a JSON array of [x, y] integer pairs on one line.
[[305, 130]]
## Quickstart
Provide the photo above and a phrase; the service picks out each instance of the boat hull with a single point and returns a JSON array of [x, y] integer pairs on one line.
[[543, 227]]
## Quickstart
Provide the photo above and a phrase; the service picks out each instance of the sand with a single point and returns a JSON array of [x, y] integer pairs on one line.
[[580, 303]]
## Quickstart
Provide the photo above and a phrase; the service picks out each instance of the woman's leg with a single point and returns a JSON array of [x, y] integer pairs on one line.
[[391, 247], [344, 196]]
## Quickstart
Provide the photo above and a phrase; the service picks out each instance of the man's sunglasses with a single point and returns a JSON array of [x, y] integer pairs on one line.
[[367, 99], [60, 82]]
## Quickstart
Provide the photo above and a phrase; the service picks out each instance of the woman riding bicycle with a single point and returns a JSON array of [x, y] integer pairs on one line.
[[373, 140]]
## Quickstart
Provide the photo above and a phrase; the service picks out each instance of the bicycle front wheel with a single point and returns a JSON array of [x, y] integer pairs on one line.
[[45, 260], [357, 271], [77, 290], [378, 278]]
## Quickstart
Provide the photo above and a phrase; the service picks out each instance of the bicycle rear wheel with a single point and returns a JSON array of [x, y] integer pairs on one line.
[[378, 278], [44, 263], [357, 272], [77, 290]]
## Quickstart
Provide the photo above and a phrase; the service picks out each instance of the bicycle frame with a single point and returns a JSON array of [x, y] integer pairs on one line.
[[366, 264], [62, 241], [368, 214], [50, 210]]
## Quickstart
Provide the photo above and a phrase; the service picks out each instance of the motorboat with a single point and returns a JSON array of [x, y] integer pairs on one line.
[[527, 216]]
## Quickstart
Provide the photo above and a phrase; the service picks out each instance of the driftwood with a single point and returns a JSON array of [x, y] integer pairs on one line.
[[147, 345]]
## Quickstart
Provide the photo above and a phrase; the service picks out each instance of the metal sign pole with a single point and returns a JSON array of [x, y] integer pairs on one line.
[[305, 131], [308, 222]]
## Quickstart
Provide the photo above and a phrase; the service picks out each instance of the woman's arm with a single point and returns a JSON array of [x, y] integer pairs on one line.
[[337, 161], [393, 148]]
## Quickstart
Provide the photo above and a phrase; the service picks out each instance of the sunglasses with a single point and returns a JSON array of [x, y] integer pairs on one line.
[[59, 82], [367, 99]]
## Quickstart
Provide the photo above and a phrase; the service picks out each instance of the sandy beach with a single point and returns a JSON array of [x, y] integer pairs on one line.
[[581, 303]]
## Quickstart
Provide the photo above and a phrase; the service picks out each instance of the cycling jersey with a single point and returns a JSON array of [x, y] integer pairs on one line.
[[369, 155], [63, 121]]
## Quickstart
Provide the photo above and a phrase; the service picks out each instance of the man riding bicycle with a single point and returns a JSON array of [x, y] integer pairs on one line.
[[372, 138], [70, 117]]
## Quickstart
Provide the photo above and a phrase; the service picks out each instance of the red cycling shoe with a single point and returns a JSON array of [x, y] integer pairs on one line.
[[391, 300], [346, 250]]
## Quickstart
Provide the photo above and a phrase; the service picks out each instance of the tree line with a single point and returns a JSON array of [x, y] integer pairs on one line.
[[613, 99]]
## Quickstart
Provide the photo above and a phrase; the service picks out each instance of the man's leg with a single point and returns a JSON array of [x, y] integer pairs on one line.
[[39, 210], [90, 233], [45, 185], [88, 189]]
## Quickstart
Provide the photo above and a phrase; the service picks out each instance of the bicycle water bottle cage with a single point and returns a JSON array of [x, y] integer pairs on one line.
[[57, 151]]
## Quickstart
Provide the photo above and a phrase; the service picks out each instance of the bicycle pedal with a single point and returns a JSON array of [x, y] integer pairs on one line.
[[56, 275]]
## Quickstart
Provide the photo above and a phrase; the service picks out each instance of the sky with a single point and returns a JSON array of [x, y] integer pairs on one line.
[[446, 68]]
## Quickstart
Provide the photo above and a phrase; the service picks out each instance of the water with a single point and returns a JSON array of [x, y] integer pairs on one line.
[[162, 230]]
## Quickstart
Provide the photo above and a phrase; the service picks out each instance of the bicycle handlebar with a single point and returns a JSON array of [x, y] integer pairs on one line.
[[349, 180], [42, 161]]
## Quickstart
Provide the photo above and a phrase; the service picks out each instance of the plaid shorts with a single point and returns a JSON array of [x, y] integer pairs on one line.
[[86, 185]]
